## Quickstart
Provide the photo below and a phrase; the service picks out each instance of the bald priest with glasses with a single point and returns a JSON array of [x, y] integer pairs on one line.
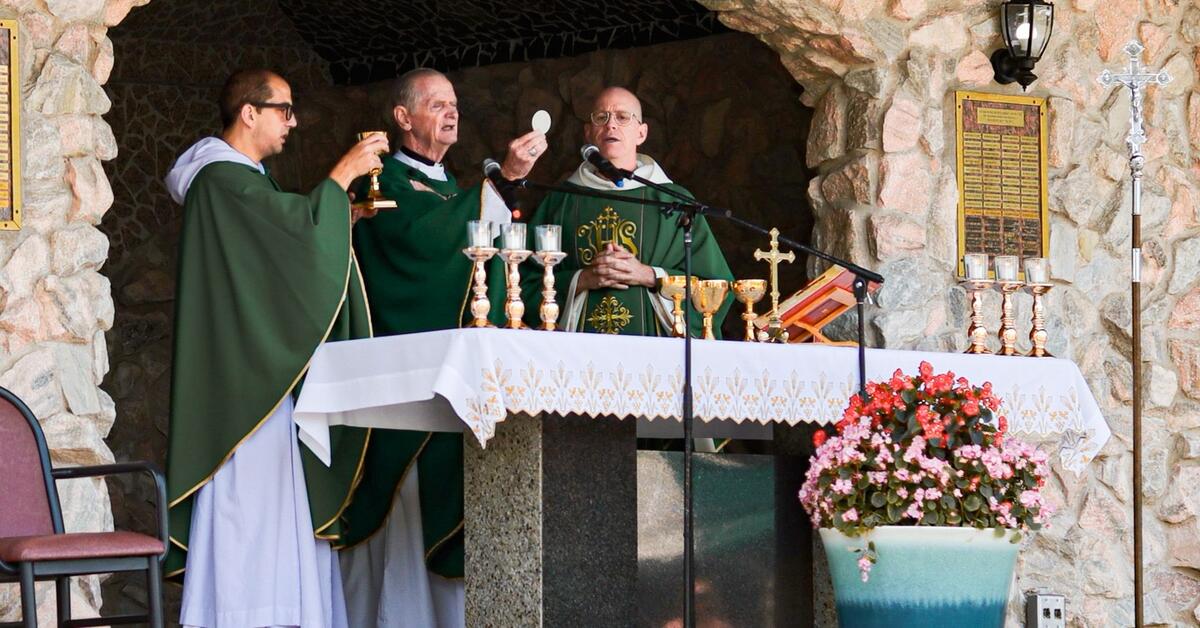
[[617, 250]]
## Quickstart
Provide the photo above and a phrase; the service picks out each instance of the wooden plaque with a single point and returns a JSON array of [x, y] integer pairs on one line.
[[1002, 208], [10, 128]]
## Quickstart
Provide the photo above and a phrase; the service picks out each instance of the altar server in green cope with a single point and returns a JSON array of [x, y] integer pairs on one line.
[[265, 277], [616, 250], [404, 564]]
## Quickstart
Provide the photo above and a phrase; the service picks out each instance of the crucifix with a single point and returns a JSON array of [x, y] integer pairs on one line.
[[1136, 79], [775, 331]]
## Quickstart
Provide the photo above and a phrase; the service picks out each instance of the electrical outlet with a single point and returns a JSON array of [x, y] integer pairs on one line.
[[1045, 610]]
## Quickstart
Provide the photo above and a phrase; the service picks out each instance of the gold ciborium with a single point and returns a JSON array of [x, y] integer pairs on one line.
[[672, 287], [749, 292], [709, 295], [374, 200]]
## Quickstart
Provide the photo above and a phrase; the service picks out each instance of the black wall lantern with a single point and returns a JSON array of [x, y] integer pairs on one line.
[[1027, 25]]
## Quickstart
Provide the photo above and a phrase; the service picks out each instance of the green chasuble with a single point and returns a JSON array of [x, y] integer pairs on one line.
[[265, 277], [588, 224], [419, 280]]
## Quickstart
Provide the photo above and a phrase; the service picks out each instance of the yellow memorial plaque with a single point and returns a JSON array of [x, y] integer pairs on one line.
[[10, 129], [1001, 150]]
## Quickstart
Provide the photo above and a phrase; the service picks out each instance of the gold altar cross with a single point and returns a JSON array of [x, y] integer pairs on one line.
[[773, 257]]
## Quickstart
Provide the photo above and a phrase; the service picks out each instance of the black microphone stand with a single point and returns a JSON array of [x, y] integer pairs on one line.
[[687, 209]]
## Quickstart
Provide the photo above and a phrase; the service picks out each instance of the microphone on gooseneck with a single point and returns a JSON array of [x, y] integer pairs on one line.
[[592, 155], [491, 170]]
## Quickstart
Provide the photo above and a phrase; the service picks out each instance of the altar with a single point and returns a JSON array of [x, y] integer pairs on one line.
[[551, 463]]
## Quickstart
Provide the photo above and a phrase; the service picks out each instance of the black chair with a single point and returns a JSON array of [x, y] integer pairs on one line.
[[33, 544]]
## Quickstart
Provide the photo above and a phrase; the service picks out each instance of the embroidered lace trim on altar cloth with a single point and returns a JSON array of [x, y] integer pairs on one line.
[[486, 375]]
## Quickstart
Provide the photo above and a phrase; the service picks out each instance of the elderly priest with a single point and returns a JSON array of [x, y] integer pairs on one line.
[[405, 564]]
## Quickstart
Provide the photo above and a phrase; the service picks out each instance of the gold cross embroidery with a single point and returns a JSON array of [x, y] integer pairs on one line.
[[610, 316]]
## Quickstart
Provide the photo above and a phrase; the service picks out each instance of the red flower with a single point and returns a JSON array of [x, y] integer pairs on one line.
[[970, 408], [819, 437], [926, 370]]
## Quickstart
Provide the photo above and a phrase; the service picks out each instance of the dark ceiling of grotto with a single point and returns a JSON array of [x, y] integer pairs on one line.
[[370, 40]]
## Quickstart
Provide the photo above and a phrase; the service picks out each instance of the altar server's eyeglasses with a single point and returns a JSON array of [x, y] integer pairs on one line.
[[623, 118], [285, 107]]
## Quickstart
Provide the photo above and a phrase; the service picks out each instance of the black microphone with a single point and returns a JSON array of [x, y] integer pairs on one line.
[[491, 170], [592, 155]]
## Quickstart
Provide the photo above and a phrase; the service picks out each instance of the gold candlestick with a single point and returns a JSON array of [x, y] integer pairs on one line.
[[549, 309], [375, 200], [480, 306], [672, 287], [977, 333], [775, 331], [1038, 335], [514, 308], [749, 292], [710, 294], [1008, 320]]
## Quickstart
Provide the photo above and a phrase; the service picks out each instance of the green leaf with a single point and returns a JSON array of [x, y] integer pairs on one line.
[[986, 490], [999, 532], [972, 503], [1016, 537], [893, 513], [878, 499]]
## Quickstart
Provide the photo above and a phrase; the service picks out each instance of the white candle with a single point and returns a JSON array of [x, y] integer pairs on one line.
[[1036, 270], [514, 236], [479, 233], [1006, 267], [976, 265], [549, 238]]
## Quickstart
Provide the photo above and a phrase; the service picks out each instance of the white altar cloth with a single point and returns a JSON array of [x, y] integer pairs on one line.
[[475, 378]]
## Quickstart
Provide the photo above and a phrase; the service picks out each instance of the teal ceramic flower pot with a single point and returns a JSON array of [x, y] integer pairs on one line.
[[925, 576]]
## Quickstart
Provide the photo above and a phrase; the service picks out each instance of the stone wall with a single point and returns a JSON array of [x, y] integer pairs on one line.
[[881, 76], [54, 305]]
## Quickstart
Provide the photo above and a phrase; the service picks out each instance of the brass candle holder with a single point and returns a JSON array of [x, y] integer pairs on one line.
[[1008, 320], [375, 200], [480, 306], [549, 308], [977, 333], [672, 287], [710, 294], [1038, 335], [514, 308], [749, 292]]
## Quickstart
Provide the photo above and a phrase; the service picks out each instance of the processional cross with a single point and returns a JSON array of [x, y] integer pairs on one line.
[[1136, 79], [775, 330]]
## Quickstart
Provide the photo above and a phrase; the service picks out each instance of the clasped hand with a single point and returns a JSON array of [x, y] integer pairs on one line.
[[615, 267]]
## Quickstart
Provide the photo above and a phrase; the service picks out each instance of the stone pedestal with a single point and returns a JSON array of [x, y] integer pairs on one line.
[[551, 523]]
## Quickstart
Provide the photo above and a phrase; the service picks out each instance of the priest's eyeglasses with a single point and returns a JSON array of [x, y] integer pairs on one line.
[[623, 118], [285, 107]]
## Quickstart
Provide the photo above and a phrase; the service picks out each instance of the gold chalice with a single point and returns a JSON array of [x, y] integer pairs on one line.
[[710, 294], [374, 200], [749, 292], [672, 287]]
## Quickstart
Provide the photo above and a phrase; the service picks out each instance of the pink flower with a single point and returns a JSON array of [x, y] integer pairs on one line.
[[850, 516], [864, 568], [842, 487]]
